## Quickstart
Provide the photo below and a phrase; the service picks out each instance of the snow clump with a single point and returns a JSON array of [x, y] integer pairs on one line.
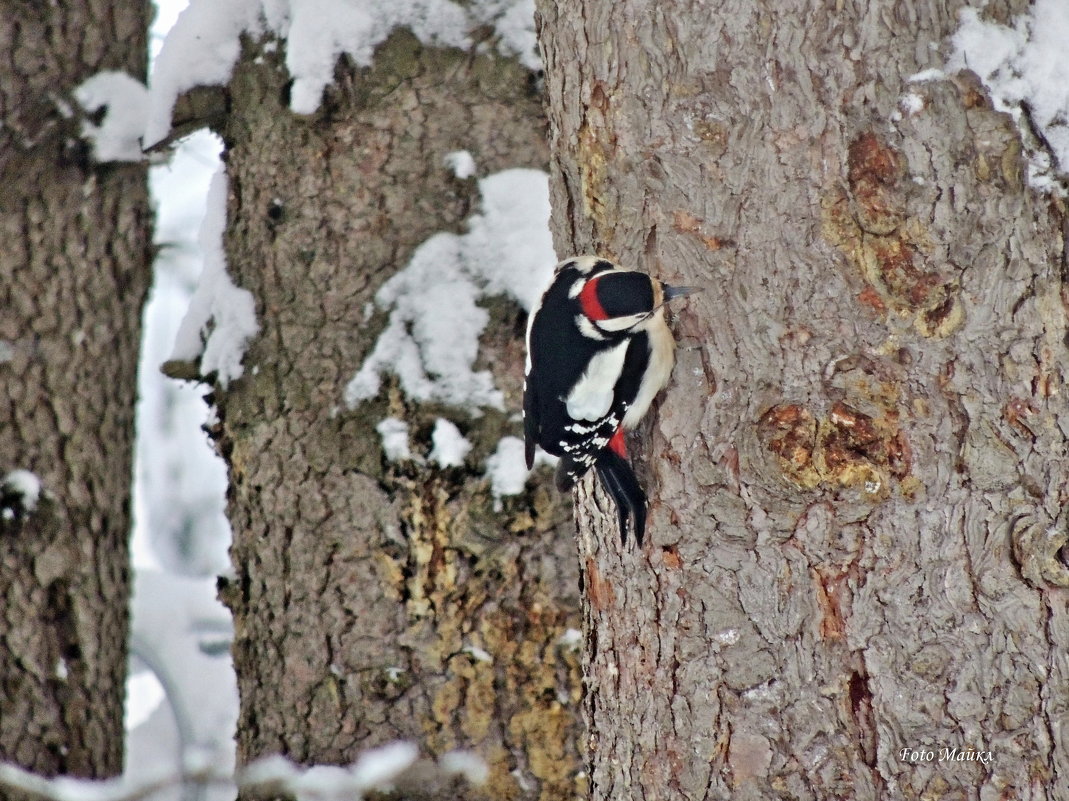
[[125, 102]]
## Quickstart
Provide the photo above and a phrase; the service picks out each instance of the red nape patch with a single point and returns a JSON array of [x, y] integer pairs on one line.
[[617, 443], [588, 299]]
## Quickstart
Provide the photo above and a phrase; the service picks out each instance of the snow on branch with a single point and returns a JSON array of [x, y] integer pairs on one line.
[[377, 770], [222, 317], [431, 340], [1027, 74], [201, 49], [205, 42]]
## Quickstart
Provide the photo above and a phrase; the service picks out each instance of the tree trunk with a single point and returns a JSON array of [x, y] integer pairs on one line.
[[74, 269], [857, 479], [377, 600]]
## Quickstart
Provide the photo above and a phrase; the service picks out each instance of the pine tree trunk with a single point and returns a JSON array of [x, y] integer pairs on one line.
[[373, 600], [74, 270], [857, 479]]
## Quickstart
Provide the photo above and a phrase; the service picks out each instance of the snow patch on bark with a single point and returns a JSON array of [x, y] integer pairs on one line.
[[431, 340], [450, 446]]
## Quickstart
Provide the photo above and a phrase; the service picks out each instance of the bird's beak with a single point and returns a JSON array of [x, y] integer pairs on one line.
[[673, 292]]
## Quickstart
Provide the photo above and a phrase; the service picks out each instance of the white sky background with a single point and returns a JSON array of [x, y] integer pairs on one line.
[[181, 534], [180, 632]]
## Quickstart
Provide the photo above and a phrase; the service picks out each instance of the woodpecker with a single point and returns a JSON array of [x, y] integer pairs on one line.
[[598, 351]]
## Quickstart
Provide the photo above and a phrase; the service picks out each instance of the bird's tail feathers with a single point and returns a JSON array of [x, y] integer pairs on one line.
[[620, 482]]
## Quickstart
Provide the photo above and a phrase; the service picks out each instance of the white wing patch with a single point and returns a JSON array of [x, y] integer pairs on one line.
[[592, 395]]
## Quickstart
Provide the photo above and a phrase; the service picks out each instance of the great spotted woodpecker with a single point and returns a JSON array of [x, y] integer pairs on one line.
[[598, 351]]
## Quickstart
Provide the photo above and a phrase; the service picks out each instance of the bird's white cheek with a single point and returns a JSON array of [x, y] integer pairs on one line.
[[617, 324], [587, 329]]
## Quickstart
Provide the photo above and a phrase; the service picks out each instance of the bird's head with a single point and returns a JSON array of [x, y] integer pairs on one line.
[[624, 301]]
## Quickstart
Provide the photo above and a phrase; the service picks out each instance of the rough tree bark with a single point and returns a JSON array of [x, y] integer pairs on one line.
[[367, 592], [74, 269], [859, 476]]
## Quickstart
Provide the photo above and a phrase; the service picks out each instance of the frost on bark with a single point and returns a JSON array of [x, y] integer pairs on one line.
[[73, 276], [377, 600], [858, 477]]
